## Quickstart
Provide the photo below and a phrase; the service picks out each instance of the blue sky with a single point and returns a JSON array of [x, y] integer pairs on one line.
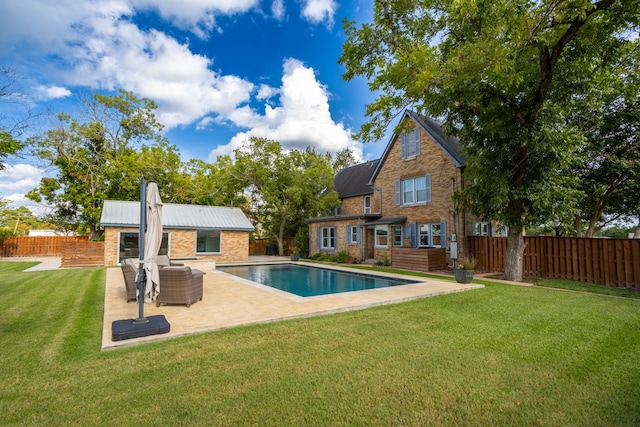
[[220, 71]]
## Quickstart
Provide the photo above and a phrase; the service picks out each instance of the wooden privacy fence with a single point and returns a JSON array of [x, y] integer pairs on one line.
[[82, 254], [259, 246], [36, 245], [609, 262]]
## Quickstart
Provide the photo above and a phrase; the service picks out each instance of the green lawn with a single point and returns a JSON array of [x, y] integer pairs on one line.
[[503, 355]]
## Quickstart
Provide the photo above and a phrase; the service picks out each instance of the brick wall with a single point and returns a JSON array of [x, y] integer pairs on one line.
[[182, 244]]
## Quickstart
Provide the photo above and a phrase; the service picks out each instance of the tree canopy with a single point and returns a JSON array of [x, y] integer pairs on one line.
[[504, 77]]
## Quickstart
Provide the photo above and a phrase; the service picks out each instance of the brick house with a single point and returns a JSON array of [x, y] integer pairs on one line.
[[399, 208], [189, 232]]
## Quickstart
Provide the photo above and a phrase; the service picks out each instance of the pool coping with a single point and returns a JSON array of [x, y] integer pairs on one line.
[[231, 301]]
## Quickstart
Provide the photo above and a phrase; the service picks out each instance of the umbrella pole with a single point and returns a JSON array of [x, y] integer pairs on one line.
[[141, 272]]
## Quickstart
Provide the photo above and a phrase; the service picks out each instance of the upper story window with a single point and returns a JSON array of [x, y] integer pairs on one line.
[[410, 143], [367, 204], [413, 191]]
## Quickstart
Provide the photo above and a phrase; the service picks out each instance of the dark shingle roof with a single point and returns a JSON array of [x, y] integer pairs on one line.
[[353, 181], [450, 145]]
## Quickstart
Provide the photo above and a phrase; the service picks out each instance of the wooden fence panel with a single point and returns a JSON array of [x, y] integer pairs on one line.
[[82, 254], [26, 246], [609, 262]]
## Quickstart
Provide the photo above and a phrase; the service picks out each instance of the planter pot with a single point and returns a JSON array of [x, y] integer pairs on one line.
[[295, 257], [463, 276]]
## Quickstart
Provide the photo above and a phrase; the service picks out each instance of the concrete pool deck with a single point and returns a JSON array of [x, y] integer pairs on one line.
[[230, 301]]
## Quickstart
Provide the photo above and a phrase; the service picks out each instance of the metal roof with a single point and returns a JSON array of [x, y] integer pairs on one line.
[[121, 214]]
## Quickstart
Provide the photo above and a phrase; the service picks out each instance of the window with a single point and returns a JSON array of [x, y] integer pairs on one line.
[[397, 235], [327, 238], [410, 143], [367, 204], [128, 246], [208, 241], [415, 190], [430, 235], [481, 229], [382, 236], [353, 234]]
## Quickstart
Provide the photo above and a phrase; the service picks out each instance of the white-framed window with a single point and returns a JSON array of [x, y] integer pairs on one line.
[[481, 228], [353, 234], [398, 235], [430, 235], [128, 246], [415, 190], [382, 236], [367, 204], [208, 241], [410, 142], [327, 237]]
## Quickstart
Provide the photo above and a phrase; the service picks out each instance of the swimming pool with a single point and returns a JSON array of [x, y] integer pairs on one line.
[[307, 281]]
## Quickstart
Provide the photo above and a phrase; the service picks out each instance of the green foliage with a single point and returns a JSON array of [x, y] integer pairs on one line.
[[302, 241], [505, 79], [96, 159], [341, 257], [284, 187]]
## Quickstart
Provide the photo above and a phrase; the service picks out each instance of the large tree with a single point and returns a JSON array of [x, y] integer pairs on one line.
[[502, 76], [103, 154], [285, 187]]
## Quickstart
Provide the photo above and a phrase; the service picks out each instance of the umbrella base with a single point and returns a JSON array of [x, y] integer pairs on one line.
[[128, 328]]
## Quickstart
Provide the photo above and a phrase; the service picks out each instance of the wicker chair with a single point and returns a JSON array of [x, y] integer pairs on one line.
[[165, 261], [129, 271], [179, 285]]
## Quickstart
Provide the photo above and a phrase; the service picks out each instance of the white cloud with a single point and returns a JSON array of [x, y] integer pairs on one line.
[[278, 9], [317, 11], [20, 177], [45, 93], [302, 118]]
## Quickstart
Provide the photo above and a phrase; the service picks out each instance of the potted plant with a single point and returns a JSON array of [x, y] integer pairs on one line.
[[464, 270], [295, 254]]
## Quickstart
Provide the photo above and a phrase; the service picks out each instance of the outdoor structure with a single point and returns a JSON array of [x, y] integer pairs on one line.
[[399, 208], [214, 233]]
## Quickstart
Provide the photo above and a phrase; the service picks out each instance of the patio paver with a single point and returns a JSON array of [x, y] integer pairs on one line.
[[230, 301]]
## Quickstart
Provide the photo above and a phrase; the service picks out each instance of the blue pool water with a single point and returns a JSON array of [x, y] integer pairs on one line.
[[310, 281]]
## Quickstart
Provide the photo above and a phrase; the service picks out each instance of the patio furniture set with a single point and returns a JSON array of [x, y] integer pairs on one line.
[[179, 284]]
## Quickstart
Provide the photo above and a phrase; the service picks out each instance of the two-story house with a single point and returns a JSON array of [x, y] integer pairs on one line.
[[399, 208]]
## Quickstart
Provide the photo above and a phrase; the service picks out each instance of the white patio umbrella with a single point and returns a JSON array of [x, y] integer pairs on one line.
[[152, 241]]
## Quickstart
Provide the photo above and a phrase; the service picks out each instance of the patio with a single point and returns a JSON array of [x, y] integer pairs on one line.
[[230, 301]]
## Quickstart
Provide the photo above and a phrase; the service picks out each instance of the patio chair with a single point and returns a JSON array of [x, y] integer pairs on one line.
[[179, 285], [165, 261], [129, 271]]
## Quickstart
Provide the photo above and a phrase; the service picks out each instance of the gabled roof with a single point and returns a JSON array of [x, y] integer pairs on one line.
[[450, 145], [354, 180], [127, 214]]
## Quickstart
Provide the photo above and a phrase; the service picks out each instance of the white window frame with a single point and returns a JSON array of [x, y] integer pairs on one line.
[[481, 228], [414, 191], [430, 235], [367, 204], [353, 234], [207, 230], [382, 239], [328, 238]]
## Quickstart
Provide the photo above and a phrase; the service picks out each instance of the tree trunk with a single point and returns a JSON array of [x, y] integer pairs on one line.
[[636, 233], [515, 250], [577, 224]]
